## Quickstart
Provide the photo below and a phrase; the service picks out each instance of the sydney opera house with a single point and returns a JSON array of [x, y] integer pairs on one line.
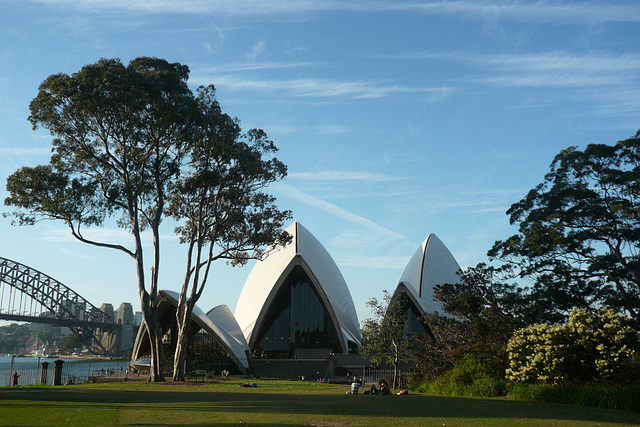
[[294, 306], [430, 265]]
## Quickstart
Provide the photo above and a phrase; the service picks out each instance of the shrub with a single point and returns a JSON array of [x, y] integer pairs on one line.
[[471, 378], [632, 397], [591, 346]]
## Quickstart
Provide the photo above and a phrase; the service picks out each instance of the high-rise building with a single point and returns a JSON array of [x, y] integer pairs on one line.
[[125, 333], [107, 337]]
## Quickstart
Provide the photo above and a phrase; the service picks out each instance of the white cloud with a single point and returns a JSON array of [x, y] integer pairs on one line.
[[318, 88], [589, 63], [256, 50], [540, 11], [562, 61], [307, 130], [253, 66], [20, 151], [387, 262], [287, 190], [560, 69], [605, 82], [336, 175]]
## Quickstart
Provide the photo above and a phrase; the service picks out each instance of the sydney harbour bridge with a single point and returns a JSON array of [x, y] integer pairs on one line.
[[28, 295]]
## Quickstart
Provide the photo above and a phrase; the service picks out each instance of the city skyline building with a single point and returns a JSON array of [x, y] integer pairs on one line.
[[124, 341]]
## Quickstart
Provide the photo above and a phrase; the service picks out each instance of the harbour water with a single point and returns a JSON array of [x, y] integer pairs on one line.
[[73, 370]]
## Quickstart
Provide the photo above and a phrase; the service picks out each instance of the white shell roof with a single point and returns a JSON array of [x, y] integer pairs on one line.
[[431, 264], [220, 323], [267, 275]]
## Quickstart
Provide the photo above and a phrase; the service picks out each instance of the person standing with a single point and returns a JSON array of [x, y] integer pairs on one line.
[[15, 378]]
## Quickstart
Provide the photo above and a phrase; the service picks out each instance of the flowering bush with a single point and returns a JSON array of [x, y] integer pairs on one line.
[[592, 346]]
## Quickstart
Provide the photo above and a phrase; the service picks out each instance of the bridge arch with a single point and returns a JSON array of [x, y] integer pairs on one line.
[[28, 295]]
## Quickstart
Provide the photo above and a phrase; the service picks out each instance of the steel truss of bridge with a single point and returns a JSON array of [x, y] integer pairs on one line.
[[28, 295]]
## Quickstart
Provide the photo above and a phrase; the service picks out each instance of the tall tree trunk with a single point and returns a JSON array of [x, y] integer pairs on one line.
[[395, 364], [154, 331], [158, 372], [184, 324]]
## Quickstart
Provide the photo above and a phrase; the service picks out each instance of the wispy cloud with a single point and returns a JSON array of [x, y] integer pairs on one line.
[[20, 151], [256, 50], [289, 191], [391, 262], [254, 66], [318, 88], [336, 175], [540, 11], [561, 61], [608, 82], [547, 68], [309, 130], [561, 69]]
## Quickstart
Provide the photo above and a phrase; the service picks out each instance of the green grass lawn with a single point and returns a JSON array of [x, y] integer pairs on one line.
[[275, 403]]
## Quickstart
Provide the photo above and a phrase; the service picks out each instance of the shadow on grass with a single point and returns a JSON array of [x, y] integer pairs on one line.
[[308, 403]]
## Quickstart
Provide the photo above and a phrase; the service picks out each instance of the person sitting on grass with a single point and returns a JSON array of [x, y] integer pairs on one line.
[[355, 386], [382, 390], [248, 385]]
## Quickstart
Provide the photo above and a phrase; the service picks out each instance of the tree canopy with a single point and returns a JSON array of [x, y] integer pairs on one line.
[[384, 336], [220, 199], [134, 144], [480, 313], [119, 133], [579, 230]]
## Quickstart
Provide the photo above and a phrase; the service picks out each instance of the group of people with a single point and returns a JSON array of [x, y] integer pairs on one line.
[[382, 389]]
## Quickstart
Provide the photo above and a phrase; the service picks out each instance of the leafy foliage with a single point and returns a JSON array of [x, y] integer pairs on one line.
[[71, 342], [134, 143], [221, 200], [591, 347], [384, 337], [13, 337], [119, 133], [481, 312], [470, 378], [579, 229]]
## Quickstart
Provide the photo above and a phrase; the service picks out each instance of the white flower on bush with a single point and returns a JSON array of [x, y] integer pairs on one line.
[[591, 346]]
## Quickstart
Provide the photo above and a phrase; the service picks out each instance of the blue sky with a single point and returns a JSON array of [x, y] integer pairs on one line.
[[396, 118]]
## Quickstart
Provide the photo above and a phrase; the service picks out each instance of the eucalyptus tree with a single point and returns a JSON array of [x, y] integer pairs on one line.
[[220, 199], [579, 230], [385, 339], [119, 137], [479, 315]]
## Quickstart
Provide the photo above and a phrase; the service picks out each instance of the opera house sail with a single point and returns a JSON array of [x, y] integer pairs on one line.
[[295, 303], [431, 264], [215, 341]]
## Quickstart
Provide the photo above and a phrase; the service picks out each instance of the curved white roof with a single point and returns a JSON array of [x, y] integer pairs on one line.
[[431, 264], [269, 274], [220, 323]]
